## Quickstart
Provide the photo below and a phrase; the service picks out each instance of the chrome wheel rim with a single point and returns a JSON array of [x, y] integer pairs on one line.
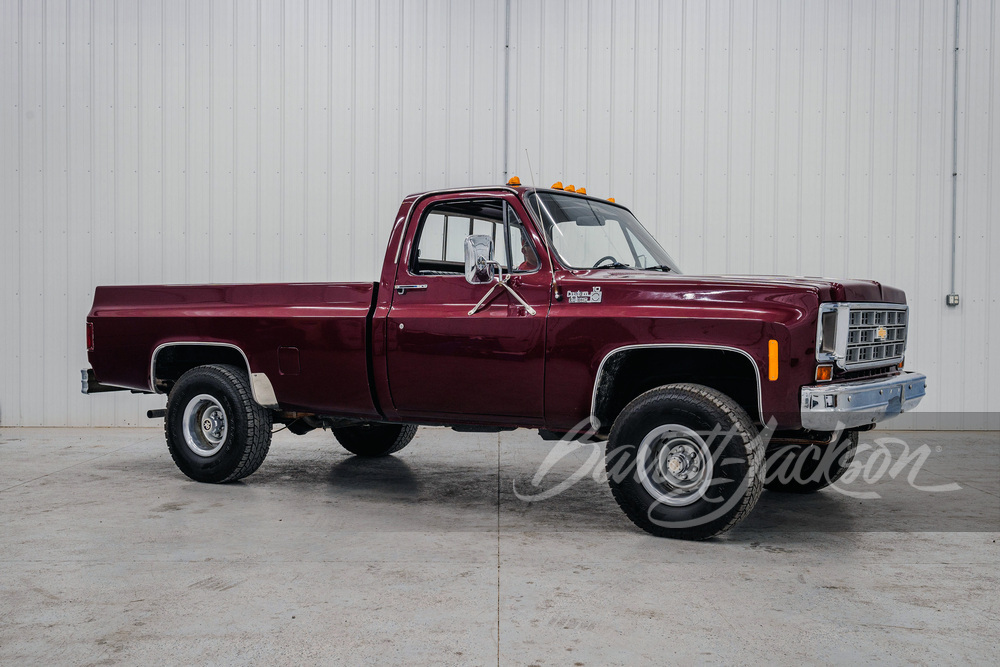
[[205, 425], [674, 465]]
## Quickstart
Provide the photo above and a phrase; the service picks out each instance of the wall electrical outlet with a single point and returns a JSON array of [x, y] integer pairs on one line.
[[951, 299]]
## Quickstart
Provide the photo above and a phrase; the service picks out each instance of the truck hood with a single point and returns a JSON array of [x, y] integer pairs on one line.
[[825, 289]]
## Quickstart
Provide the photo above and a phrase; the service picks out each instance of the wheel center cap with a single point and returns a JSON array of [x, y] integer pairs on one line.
[[676, 464], [207, 425]]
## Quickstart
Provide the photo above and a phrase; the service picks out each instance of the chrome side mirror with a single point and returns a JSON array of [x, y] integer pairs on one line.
[[479, 270], [479, 264]]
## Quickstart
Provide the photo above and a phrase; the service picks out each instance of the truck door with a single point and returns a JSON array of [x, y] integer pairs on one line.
[[443, 361]]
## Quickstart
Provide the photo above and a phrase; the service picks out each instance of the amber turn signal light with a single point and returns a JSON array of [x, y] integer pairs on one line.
[[824, 373]]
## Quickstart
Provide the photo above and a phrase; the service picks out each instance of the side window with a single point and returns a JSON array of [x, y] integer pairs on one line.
[[431, 246], [484, 227], [522, 253], [440, 247], [458, 229]]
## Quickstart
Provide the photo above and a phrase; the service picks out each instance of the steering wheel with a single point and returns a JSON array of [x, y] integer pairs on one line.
[[611, 257]]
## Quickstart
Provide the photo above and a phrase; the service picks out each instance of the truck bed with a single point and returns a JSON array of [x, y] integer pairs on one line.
[[311, 339]]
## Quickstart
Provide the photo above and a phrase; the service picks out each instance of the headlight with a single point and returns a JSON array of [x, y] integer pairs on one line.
[[831, 337], [828, 332]]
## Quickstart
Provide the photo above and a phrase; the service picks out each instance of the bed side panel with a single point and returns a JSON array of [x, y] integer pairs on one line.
[[322, 326]]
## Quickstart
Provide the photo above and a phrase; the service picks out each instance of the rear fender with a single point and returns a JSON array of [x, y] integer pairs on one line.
[[196, 353]]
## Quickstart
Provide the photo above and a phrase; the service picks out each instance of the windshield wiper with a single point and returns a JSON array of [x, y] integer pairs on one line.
[[659, 267], [614, 265]]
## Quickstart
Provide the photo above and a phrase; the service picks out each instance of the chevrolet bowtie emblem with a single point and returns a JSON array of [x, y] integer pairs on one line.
[[881, 333]]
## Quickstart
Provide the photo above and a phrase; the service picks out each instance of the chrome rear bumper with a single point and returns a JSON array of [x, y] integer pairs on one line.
[[828, 407]]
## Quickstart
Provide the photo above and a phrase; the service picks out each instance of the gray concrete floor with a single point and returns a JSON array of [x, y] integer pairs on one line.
[[109, 555]]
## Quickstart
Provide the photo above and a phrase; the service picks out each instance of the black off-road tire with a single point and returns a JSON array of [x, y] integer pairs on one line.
[[374, 439], [243, 444], [807, 467], [663, 420]]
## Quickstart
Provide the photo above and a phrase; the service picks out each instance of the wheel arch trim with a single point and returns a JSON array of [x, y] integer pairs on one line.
[[596, 422], [260, 384]]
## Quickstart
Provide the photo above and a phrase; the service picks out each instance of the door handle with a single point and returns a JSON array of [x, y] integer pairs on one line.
[[402, 289]]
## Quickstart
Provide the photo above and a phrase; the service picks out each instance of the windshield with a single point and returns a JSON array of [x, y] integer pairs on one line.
[[586, 234]]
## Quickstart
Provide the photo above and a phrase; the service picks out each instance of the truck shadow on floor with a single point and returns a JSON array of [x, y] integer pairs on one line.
[[450, 491], [433, 487], [433, 493]]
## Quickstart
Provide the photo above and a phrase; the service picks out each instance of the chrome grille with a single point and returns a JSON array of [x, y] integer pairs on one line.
[[876, 335]]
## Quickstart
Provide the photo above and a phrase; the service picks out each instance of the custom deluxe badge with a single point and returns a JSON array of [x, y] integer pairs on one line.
[[581, 296]]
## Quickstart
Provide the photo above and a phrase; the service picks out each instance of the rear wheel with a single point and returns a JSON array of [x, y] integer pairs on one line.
[[374, 439], [809, 467], [215, 431], [684, 461]]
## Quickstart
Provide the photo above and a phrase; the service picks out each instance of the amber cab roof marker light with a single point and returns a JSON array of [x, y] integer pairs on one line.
[[569, 188], [581, 191], [514, 181], [557, 185], [611, 199]]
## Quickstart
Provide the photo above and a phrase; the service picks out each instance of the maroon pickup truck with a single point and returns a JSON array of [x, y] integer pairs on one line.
[[541, 308]]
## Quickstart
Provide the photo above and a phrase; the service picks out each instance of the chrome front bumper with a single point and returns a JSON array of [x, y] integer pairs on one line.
[[829, 407]]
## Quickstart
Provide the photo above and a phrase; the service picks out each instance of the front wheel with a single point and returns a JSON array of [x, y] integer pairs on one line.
[[216, 432], [684, 461]]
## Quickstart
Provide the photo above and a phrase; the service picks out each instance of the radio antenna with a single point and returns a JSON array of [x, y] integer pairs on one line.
[[541, 224]]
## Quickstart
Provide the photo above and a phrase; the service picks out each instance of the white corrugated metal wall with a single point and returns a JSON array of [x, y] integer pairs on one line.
[[146, 141]]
